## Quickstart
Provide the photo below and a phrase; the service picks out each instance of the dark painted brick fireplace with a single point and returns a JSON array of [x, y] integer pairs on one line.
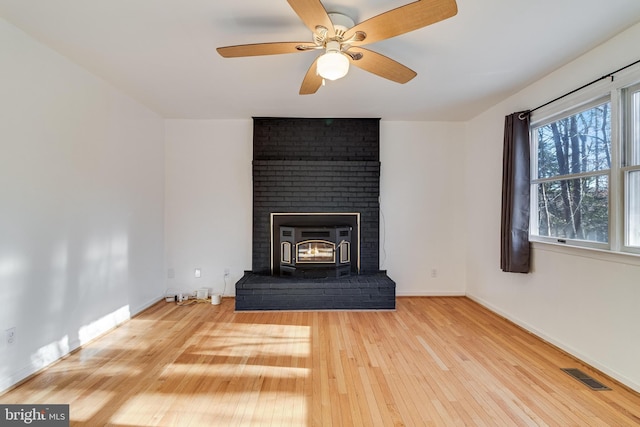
[[307, 166]]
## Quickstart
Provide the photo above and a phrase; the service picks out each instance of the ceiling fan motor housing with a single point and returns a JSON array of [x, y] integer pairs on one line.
[[341, 23]]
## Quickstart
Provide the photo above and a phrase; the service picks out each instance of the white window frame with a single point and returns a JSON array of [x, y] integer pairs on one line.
[[627, 168], [607, 89]]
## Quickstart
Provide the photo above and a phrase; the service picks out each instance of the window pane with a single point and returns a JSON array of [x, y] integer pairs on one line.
[[575, 209], [633, 209], [635, 130], [575, 144]]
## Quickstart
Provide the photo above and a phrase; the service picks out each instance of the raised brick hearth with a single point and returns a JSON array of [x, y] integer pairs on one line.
[[305, 166], [361, 292]]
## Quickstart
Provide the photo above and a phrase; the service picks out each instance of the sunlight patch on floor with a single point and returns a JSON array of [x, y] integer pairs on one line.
[[237, 370], [84, 407], [150, 409], [120, 369], [272, 338]]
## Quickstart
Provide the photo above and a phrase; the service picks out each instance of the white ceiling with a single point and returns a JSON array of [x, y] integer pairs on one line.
[[162, 52]]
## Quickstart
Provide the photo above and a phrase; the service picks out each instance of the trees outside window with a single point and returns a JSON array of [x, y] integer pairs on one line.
[[574, 161], [585, 186]]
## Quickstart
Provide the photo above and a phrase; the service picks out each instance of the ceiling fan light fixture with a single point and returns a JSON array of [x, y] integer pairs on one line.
[[334, 64]]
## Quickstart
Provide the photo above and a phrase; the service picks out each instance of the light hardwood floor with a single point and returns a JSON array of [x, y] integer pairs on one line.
[[433, 361]]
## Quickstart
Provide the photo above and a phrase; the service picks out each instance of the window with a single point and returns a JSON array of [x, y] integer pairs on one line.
[[585, 186], [572, 175], [631, 169]]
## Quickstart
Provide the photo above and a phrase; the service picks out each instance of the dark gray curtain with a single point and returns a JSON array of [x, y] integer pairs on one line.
[[515, 250]]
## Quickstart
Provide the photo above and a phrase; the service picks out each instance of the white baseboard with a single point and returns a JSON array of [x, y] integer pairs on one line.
[[430, 294], [142, 307]]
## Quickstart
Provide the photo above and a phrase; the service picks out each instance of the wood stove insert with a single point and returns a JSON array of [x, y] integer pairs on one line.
[[315, 245], [315, 251]]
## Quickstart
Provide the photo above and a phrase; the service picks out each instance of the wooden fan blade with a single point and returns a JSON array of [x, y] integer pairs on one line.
[[312, 13], [312, 81], [403, 19], [381, 65], [260, 49]]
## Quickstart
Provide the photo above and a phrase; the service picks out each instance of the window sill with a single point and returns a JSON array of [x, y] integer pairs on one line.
[[627, 258]]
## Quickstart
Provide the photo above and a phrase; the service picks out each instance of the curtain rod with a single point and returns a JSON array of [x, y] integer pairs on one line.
[[611, 74]]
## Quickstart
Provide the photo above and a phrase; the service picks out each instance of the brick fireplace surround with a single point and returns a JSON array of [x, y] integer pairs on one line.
[[308, 166]]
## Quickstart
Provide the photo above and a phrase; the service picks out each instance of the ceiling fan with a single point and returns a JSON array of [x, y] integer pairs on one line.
[[341, 39]]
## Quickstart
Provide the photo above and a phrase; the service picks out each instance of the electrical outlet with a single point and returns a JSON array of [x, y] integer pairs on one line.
[[11, 336], [434, 273], [198, 273]]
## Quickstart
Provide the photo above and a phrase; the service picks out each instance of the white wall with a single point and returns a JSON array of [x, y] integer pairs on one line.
[[575, 299], [208, 203], [422, 211], [81, 205]]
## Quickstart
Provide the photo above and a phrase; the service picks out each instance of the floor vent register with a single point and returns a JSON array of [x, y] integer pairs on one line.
[[585, 379]]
